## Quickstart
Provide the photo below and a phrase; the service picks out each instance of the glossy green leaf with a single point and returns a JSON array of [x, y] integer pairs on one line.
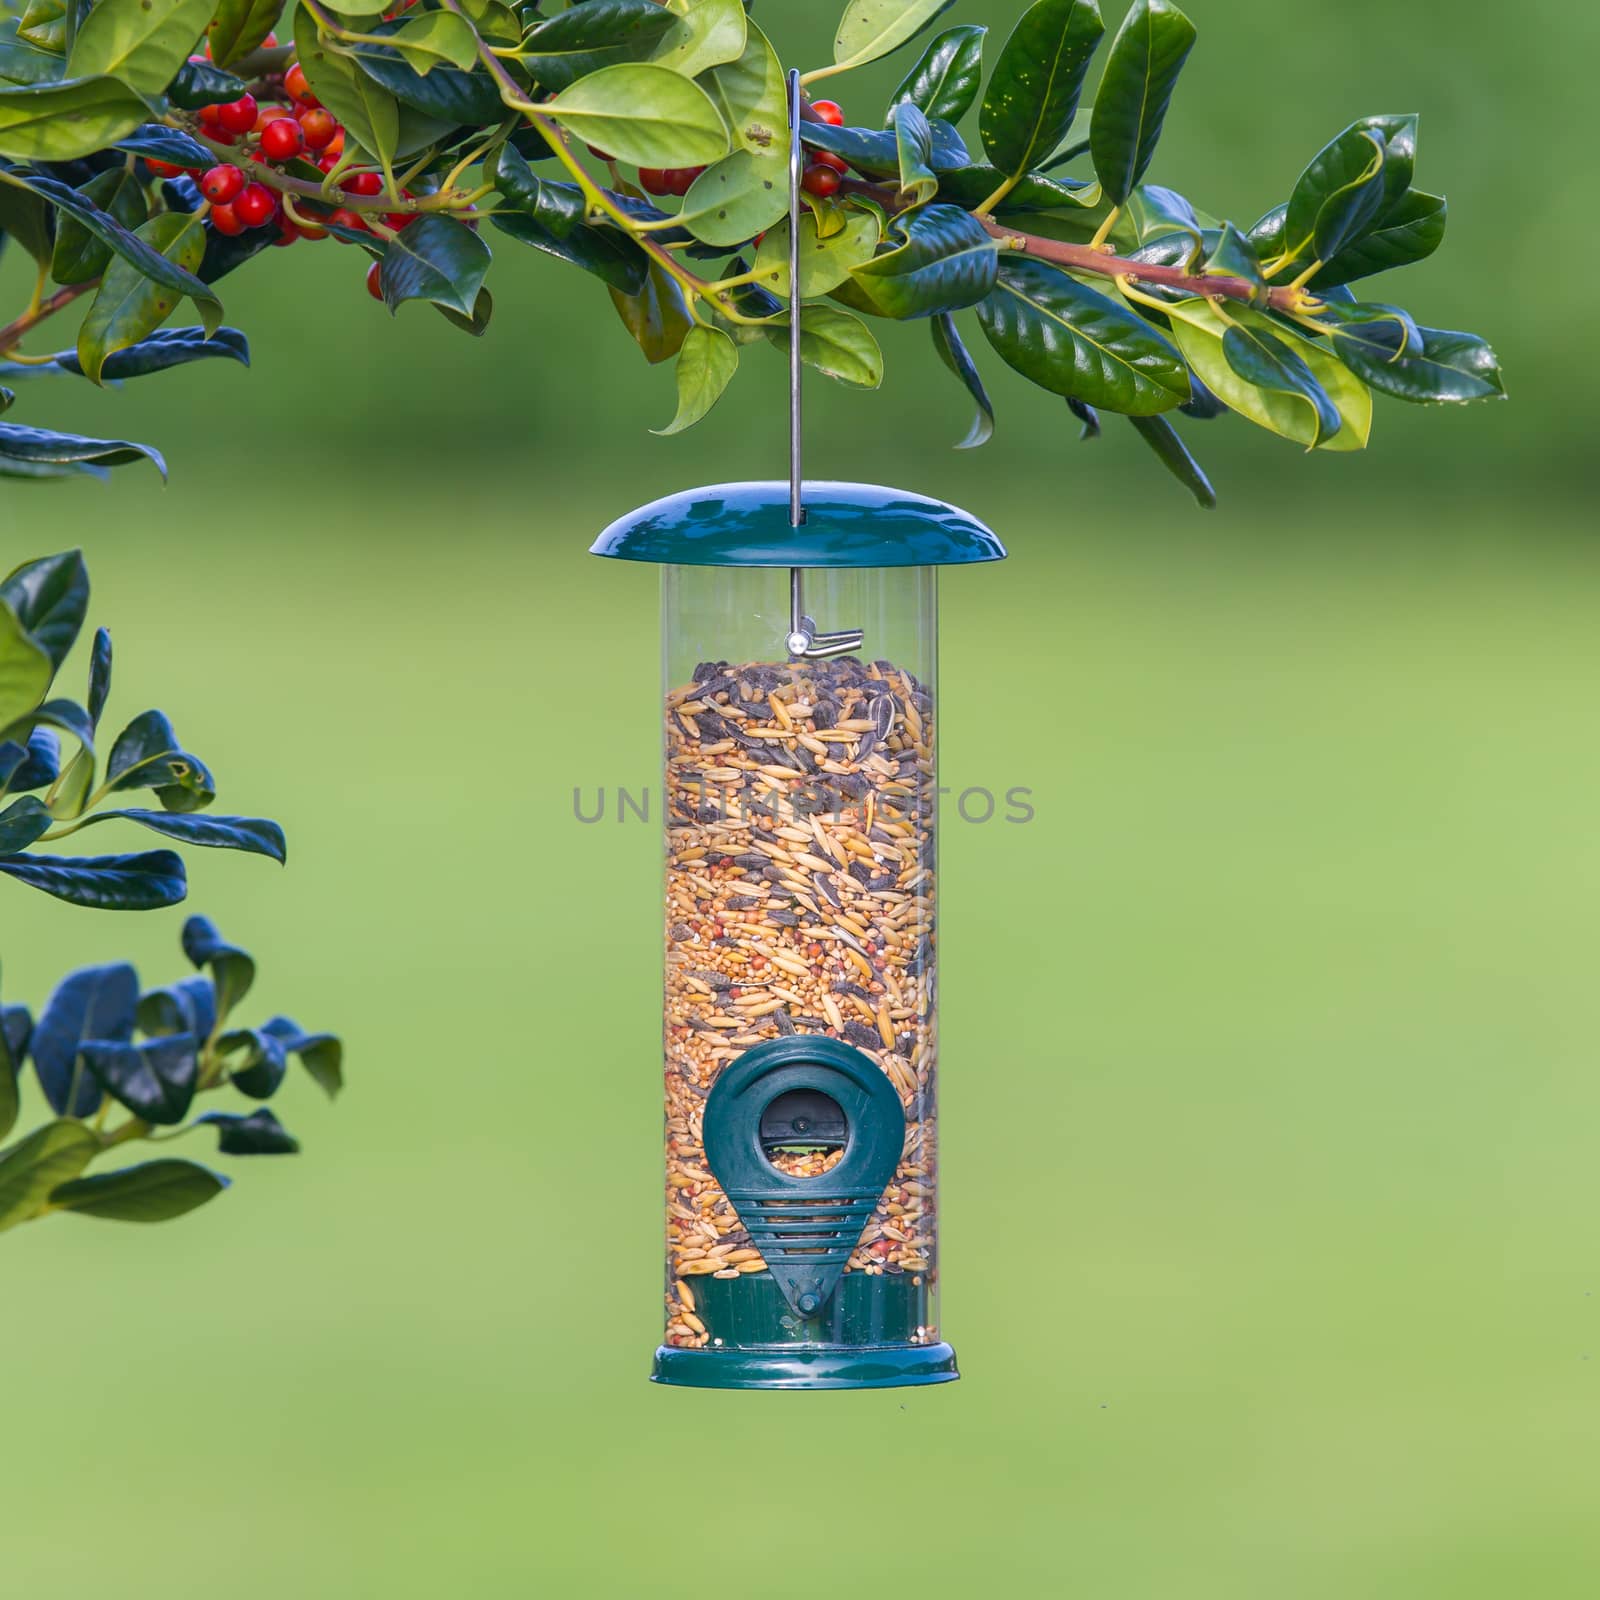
[[135, 248], [21, 822], [1335, 198], [953, 353], [141, 43], [945, 81], [1142, 67], [38, 445], [1260, 357], [66, 120], [873, 28], [129, 305], [1398, 131], [232, 970], [80, 255], [606, 252], [253, 835], [166, 347], [155, 139], [141, 882], [350, 91], [736, 198], [914, 150], [1155, 212], [155, 1191], [426, 38], [751, 96], [1174, 455], [557, 206], [155, 1080], [706, 365], [877, 152], [1232, 256], [34, 1166], [92, 1003], [1410, 232], [707, 33], [198, 83], [25, 218], [824, 263], [970, 186], [942, 260], [147, 755], [1077, 342], [25, 669], [1198, 329], [835, 343], [1033, 91], [478, 323], [22, 61], [657, 315], [255, 1061], [259, 1134], [239, 27], [99, 675], [599, 33], [1438, 367], [44, 23], [50, 598], [321, 1054], [435, 258], [645, 114], [445, 97]]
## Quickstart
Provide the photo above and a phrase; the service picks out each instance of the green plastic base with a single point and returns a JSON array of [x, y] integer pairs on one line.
[[861, 1367]]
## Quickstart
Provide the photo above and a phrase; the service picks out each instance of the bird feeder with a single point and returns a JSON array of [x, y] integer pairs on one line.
[[800, 1038]]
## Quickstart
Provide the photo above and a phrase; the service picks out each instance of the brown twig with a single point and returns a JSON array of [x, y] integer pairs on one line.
[[11, 335], [1085, 258]]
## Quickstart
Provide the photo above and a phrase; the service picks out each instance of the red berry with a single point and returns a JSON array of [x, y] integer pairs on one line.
[[656, 180], [821, 181], [222, 184], [255, 205], [282, 139], [295, 85], [598, 153], [327, 161], [162, 169], [374, 288], [210, 116], [365, 184], [828, 111], [226, 220], [317, 128], [681, 178], [398, 219], [238, 116], [826, 158], [348, 219], [266, 114]]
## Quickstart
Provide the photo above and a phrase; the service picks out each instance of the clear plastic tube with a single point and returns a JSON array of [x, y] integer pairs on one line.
[[800, 890]]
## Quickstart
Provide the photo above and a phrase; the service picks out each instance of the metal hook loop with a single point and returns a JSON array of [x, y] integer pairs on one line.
[[804, 642]]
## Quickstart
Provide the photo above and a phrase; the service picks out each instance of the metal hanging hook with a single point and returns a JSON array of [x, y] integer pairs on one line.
[[804, 641]]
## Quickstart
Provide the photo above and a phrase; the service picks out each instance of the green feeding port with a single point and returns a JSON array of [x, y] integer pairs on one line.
[[800, 1032]]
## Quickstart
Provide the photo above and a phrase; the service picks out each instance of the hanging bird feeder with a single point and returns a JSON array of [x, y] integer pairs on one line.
[[800, 1037]]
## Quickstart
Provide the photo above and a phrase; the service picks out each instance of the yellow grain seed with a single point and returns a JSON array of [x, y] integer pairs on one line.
[[779, 710], [831, 1007], [686, 1295], [727, 1272], [885, 1027], [698, 1268], [693, 1321], [757, 1265]]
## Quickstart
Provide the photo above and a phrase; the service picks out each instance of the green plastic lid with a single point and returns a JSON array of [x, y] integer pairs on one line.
[[847, 525]]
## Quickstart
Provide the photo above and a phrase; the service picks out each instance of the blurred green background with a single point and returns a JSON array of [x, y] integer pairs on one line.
[[1270, 1093]]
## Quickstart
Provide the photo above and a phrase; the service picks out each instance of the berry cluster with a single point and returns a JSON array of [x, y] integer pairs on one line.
[[273, 132], [824, 170]]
